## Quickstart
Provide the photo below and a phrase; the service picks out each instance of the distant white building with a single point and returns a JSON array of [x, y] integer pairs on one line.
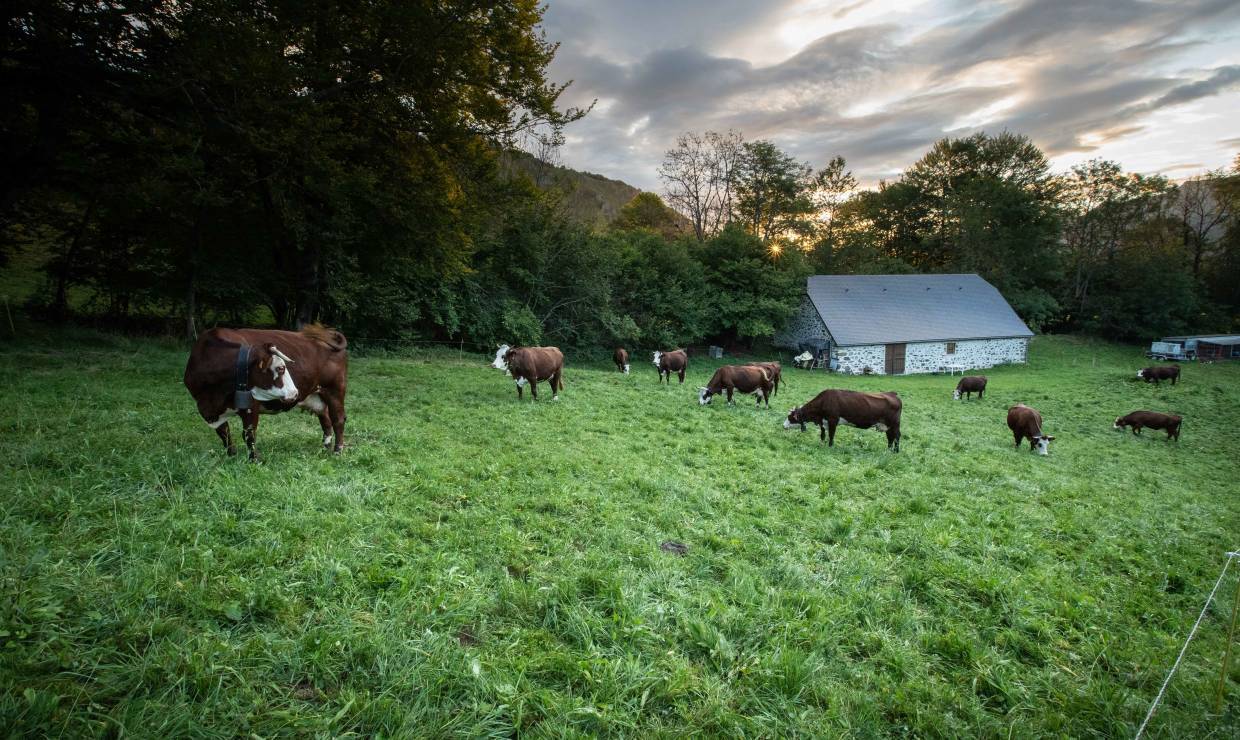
[[897, 324]]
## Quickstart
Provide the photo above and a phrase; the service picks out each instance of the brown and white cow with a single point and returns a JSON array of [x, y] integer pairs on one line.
[[621, 358], [529, 365], [248, 372], [1026, 423], [970, 385], [775, 370], [1152, 419], [1158, 374], [742, 378], [880, 411], [676, 361]]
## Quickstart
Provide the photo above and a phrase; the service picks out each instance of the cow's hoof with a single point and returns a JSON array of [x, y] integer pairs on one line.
[[555, 398], [338, 450], [232, 451]]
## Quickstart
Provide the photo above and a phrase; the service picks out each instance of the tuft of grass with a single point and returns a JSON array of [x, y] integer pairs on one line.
[[477, 566]]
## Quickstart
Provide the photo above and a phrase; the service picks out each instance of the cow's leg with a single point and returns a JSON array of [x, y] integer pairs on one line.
[[325, 423], [1018, 436], [216, 416], [893, 439], [249, 431], [681, 374], [729, 394], [981, 394], [335, 408], [534, 388], [832, 423], [520, 392], [557, 385]]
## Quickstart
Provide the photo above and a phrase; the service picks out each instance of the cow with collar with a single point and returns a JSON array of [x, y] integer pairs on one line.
[[250, 372]]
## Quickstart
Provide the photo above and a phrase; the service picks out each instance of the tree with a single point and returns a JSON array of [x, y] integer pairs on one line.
[[647, 211], [1205, 205], [772, 191], [829, 188], [698, 174]]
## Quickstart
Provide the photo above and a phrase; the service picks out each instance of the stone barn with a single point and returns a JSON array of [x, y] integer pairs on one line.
[[896, 324]]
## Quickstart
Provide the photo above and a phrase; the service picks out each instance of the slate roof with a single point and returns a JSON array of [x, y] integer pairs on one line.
[[889, 309]]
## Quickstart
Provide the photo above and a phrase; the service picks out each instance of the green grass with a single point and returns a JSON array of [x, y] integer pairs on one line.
[[477, 566]]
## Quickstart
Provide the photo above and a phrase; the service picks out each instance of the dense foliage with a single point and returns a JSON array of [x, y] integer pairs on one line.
[[226, 161]]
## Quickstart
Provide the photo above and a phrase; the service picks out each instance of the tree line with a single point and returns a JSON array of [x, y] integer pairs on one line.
[[1096, 249], [186, 164]]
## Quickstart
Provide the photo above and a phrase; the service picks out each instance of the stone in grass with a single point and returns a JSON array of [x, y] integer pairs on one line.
[[675, 548]]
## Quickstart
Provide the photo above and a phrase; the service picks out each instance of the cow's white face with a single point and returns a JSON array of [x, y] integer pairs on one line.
[[1044, 444], [1117, 425], [956, 395], [500, 363], [1140, 373], [282, 386], [704, 396], [657, 356], [626, 368]]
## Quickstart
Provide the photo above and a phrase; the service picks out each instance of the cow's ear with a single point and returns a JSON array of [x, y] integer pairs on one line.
[[1050, 439]]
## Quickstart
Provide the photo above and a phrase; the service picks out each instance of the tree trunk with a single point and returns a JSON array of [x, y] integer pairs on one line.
[[60, 304]]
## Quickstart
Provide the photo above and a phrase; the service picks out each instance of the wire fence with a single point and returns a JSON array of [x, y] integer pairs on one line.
[[1180, 658]]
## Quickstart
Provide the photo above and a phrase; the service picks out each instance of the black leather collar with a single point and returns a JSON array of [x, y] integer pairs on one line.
[[241, 379]]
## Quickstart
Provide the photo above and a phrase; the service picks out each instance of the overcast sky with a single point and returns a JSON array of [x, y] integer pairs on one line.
[[1153, 85]]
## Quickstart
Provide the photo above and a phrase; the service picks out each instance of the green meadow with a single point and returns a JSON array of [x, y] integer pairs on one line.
[[477, 566]]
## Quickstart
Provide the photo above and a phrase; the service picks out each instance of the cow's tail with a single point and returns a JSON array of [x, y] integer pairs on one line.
[[328, 336]]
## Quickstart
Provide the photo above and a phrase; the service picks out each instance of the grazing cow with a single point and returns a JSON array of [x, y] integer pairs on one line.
[[621, 358], [248, 372], [775, 370], [676, 361], [530, 365], [1153, 420], [743, 378], [1027, 423], [970, 385], [1158, 374], [880, 411]]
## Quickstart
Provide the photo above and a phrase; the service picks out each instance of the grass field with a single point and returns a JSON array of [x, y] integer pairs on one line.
[[477, 566]]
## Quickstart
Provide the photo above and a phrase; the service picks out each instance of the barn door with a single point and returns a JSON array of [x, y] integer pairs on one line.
[[895, 359]]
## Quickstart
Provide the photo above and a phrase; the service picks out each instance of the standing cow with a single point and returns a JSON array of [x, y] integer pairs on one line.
[[742, 378], [530, 365], [1157, 374], [676, 361], [970, 385], [880, 411], [775, 370], [1026, 423], [1153, 420], [248, 372], [621, 358]]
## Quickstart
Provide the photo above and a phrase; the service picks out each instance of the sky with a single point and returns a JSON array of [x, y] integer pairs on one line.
[[1152, 84]]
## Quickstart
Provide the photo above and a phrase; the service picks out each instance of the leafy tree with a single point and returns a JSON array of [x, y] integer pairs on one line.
[[647, 211], [752, 294], [772, 191]]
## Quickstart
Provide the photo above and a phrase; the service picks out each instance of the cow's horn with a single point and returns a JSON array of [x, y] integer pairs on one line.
[[276, 351]]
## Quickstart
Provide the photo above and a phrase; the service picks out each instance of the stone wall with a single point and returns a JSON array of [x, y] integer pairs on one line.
[[855, 360], [930, 357], [805, 327]]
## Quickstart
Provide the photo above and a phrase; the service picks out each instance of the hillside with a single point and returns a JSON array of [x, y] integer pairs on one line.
[[590, 199]]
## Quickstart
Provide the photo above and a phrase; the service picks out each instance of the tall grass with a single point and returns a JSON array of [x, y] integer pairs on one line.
[[477, 566]]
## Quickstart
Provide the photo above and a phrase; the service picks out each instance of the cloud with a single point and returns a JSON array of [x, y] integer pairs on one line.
[[1076, 77]]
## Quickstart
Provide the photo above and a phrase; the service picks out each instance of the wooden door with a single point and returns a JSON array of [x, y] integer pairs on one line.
[[895, 359]]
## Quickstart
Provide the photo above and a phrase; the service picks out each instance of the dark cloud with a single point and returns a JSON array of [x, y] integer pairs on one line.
[[1072, 75]]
